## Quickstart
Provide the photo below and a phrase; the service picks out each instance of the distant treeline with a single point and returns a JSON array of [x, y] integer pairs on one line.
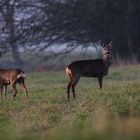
[[35, 25]]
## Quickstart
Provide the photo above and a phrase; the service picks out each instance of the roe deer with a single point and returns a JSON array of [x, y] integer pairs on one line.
[[88, 68], [12, 77]]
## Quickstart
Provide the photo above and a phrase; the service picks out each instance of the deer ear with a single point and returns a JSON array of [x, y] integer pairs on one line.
[[110, 44], [101, 43]]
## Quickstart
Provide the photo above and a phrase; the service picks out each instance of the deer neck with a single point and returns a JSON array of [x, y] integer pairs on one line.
[[106, 63]]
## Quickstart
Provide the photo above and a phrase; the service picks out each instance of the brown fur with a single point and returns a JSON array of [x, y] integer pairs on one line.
[[12, 77], [88, 68]]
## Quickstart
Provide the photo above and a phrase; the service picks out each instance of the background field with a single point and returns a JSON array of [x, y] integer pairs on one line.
[[47, 114]]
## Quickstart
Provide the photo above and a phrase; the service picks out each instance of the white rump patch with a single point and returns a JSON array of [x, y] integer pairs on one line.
[[67, 70], [21, 75]]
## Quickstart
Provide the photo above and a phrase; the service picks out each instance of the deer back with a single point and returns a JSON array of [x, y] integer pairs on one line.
[[10, 75], [92, 68]]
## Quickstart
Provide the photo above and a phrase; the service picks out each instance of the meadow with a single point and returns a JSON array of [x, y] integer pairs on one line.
[[48, 115]]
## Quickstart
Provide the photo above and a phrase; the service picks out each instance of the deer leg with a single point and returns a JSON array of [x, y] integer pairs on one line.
[[100, 80], [22, 84], [14, 90], [5, 90], [73, 86], [68, 88], [1, 90]]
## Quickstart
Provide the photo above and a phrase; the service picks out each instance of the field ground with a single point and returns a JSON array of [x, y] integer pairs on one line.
[[47, 114]]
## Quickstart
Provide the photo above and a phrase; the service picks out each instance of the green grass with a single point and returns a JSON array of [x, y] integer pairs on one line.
[[47, 114]]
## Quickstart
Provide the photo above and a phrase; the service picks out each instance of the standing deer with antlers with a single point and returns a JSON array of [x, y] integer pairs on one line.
[[12, 77], [89, 68]]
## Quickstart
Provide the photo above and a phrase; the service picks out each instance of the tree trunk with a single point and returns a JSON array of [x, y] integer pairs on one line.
[[16, 56], [12, 36], [134, 50], [130, 47]]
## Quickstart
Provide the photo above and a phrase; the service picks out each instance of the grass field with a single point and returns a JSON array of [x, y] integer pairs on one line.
[[47, 114]]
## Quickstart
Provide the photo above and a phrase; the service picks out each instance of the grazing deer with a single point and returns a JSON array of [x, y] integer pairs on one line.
[[12, 77], [88, 68]]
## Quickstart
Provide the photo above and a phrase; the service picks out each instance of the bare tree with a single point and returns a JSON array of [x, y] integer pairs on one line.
[[19, 22]]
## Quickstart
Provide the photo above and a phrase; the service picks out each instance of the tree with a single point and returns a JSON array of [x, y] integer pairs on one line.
[[40, 23], [82, 22], [18, 21]]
